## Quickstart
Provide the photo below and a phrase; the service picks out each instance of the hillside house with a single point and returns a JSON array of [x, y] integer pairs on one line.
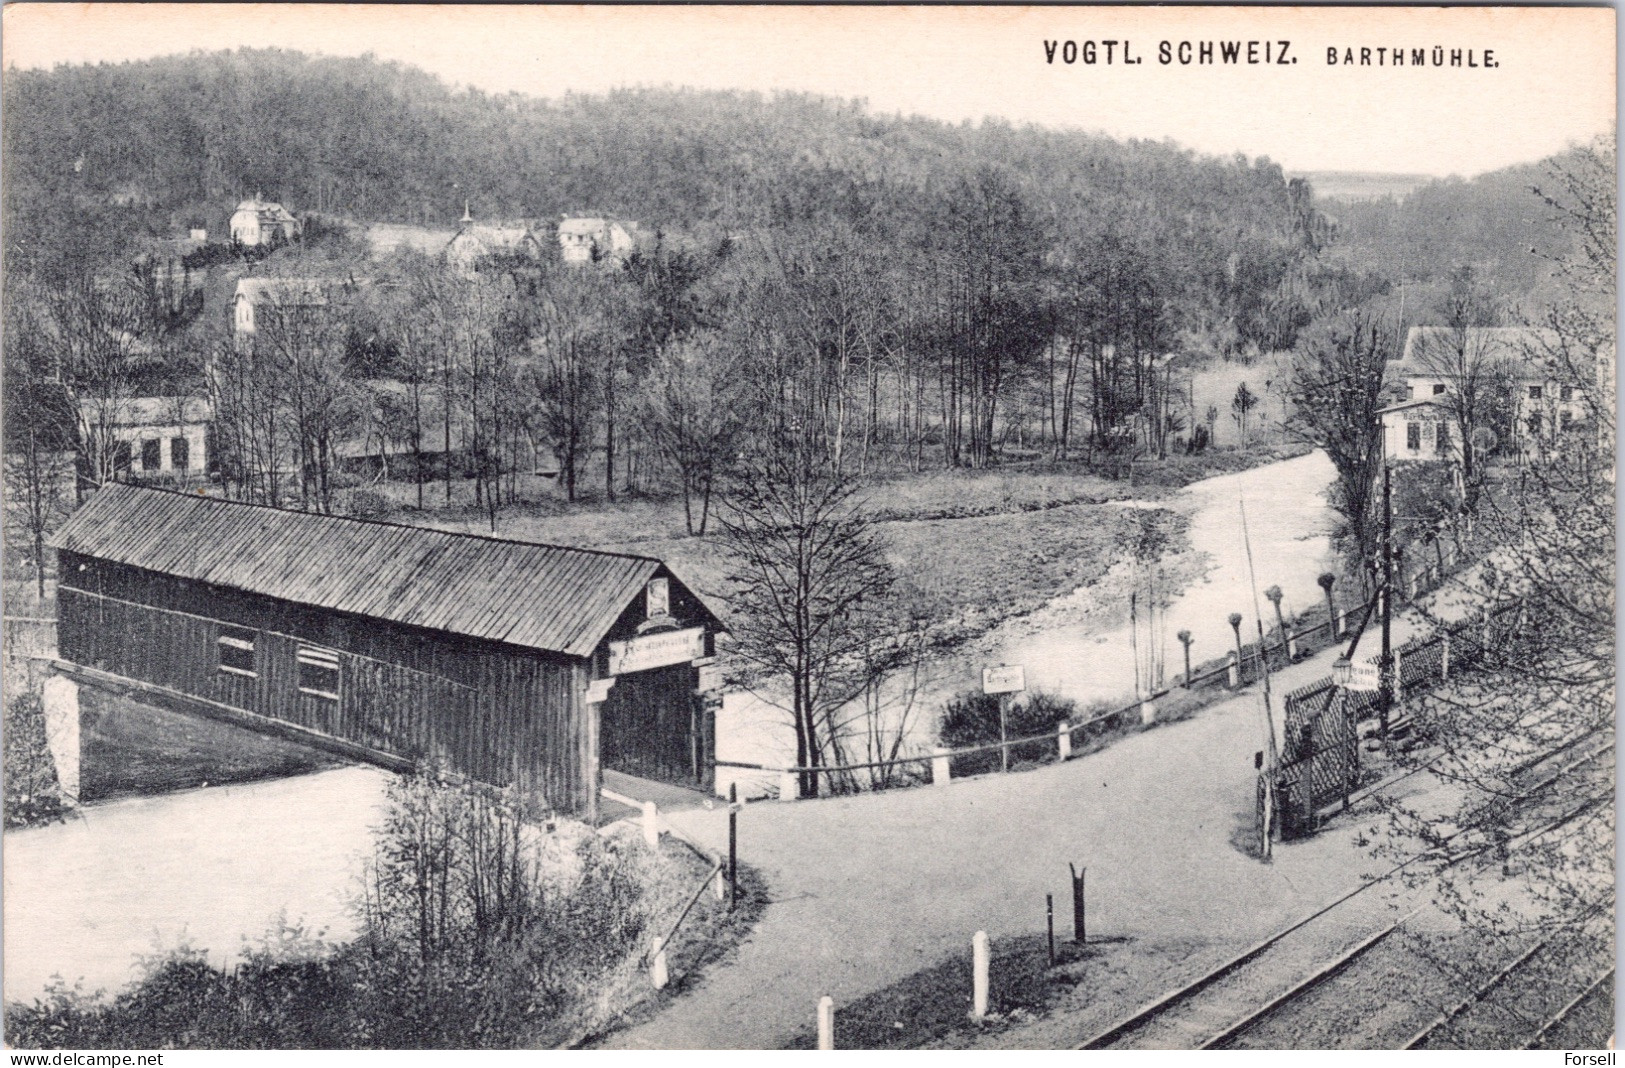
[[592, 238], [258, 302], [474, 243], [1542, 408], [509, 662], [146, 437], [263, 222]]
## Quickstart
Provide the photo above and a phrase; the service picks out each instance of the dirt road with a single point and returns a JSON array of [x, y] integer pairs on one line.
[[869, 889]]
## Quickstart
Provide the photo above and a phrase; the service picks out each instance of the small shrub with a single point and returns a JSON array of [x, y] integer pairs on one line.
[[972, 719], [370, 504], [33, 794]]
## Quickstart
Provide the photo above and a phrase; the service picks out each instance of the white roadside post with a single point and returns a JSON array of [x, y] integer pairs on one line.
[[651, 824], [826, 1022], [1235, 670], [1063, 740], [789, 789], [941, 770], [657, 967], [979, 962]]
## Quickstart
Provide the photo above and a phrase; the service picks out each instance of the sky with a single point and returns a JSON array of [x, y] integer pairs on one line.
[[1551, 83]]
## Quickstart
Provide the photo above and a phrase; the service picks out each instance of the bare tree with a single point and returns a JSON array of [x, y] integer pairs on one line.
[[300, 338], [1475, 368], [567, 348], [810, 587], [693, 410], [38, 439]]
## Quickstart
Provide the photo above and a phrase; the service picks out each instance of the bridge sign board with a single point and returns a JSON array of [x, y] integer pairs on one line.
[[656, 650], [1006, 678]]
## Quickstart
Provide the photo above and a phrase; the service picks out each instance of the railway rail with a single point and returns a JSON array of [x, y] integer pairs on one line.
[[1242, 995]]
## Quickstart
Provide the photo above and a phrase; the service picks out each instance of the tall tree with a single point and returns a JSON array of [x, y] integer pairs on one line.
[[1334, 392], [1476, 369], [810, 582], [693, 407]]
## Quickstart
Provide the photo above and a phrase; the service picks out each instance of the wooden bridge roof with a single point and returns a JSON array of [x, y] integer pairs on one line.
[[549, 597]]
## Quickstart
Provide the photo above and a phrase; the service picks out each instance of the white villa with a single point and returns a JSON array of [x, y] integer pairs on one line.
[[1422, 426]]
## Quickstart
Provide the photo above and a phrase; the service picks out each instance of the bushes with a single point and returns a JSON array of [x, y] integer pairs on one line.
[[32, 792], [478, 931], [972, 719]]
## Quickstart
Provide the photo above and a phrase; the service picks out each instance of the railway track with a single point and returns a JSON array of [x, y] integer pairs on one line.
[[1601, 989], [1242, 1000], [1211, 1009]]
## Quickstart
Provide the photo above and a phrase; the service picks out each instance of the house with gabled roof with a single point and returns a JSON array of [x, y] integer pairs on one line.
[[476, 242], [594, 238], [1544, 403], [263, 222]]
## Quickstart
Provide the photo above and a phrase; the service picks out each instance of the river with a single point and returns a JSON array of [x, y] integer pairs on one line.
[[1081, 646]]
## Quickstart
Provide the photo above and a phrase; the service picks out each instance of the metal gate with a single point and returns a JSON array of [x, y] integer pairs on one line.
[[1320, 755]]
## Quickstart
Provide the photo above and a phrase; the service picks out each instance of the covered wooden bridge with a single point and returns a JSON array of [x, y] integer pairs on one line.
[[511, 662]]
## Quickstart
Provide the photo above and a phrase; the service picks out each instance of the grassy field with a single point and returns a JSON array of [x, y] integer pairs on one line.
[[971, 548]]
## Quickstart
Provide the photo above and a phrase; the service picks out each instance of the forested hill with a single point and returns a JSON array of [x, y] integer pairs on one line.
[[160, 144], [96, 157], [382, 141], [1493, 223]]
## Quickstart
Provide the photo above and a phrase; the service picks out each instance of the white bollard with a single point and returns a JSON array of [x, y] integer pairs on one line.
[[979, 961], [941, 771], [651, 823], [1235, 671], [1292, 647], [1063, 740], [1342, 622], [826, 1022], [1148, 713], [789, 787], [721, 886], [657, 967]]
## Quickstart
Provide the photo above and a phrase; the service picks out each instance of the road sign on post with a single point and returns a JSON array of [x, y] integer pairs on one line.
[[1005, 678]]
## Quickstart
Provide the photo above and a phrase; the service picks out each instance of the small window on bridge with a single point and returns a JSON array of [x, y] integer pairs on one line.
[[236, 648], [319, 672]]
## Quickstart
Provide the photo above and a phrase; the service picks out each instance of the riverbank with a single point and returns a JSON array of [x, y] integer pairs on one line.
[[972, 549]]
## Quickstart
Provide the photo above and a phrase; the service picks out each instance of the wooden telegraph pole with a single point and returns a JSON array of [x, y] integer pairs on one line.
[[1266, 849]]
